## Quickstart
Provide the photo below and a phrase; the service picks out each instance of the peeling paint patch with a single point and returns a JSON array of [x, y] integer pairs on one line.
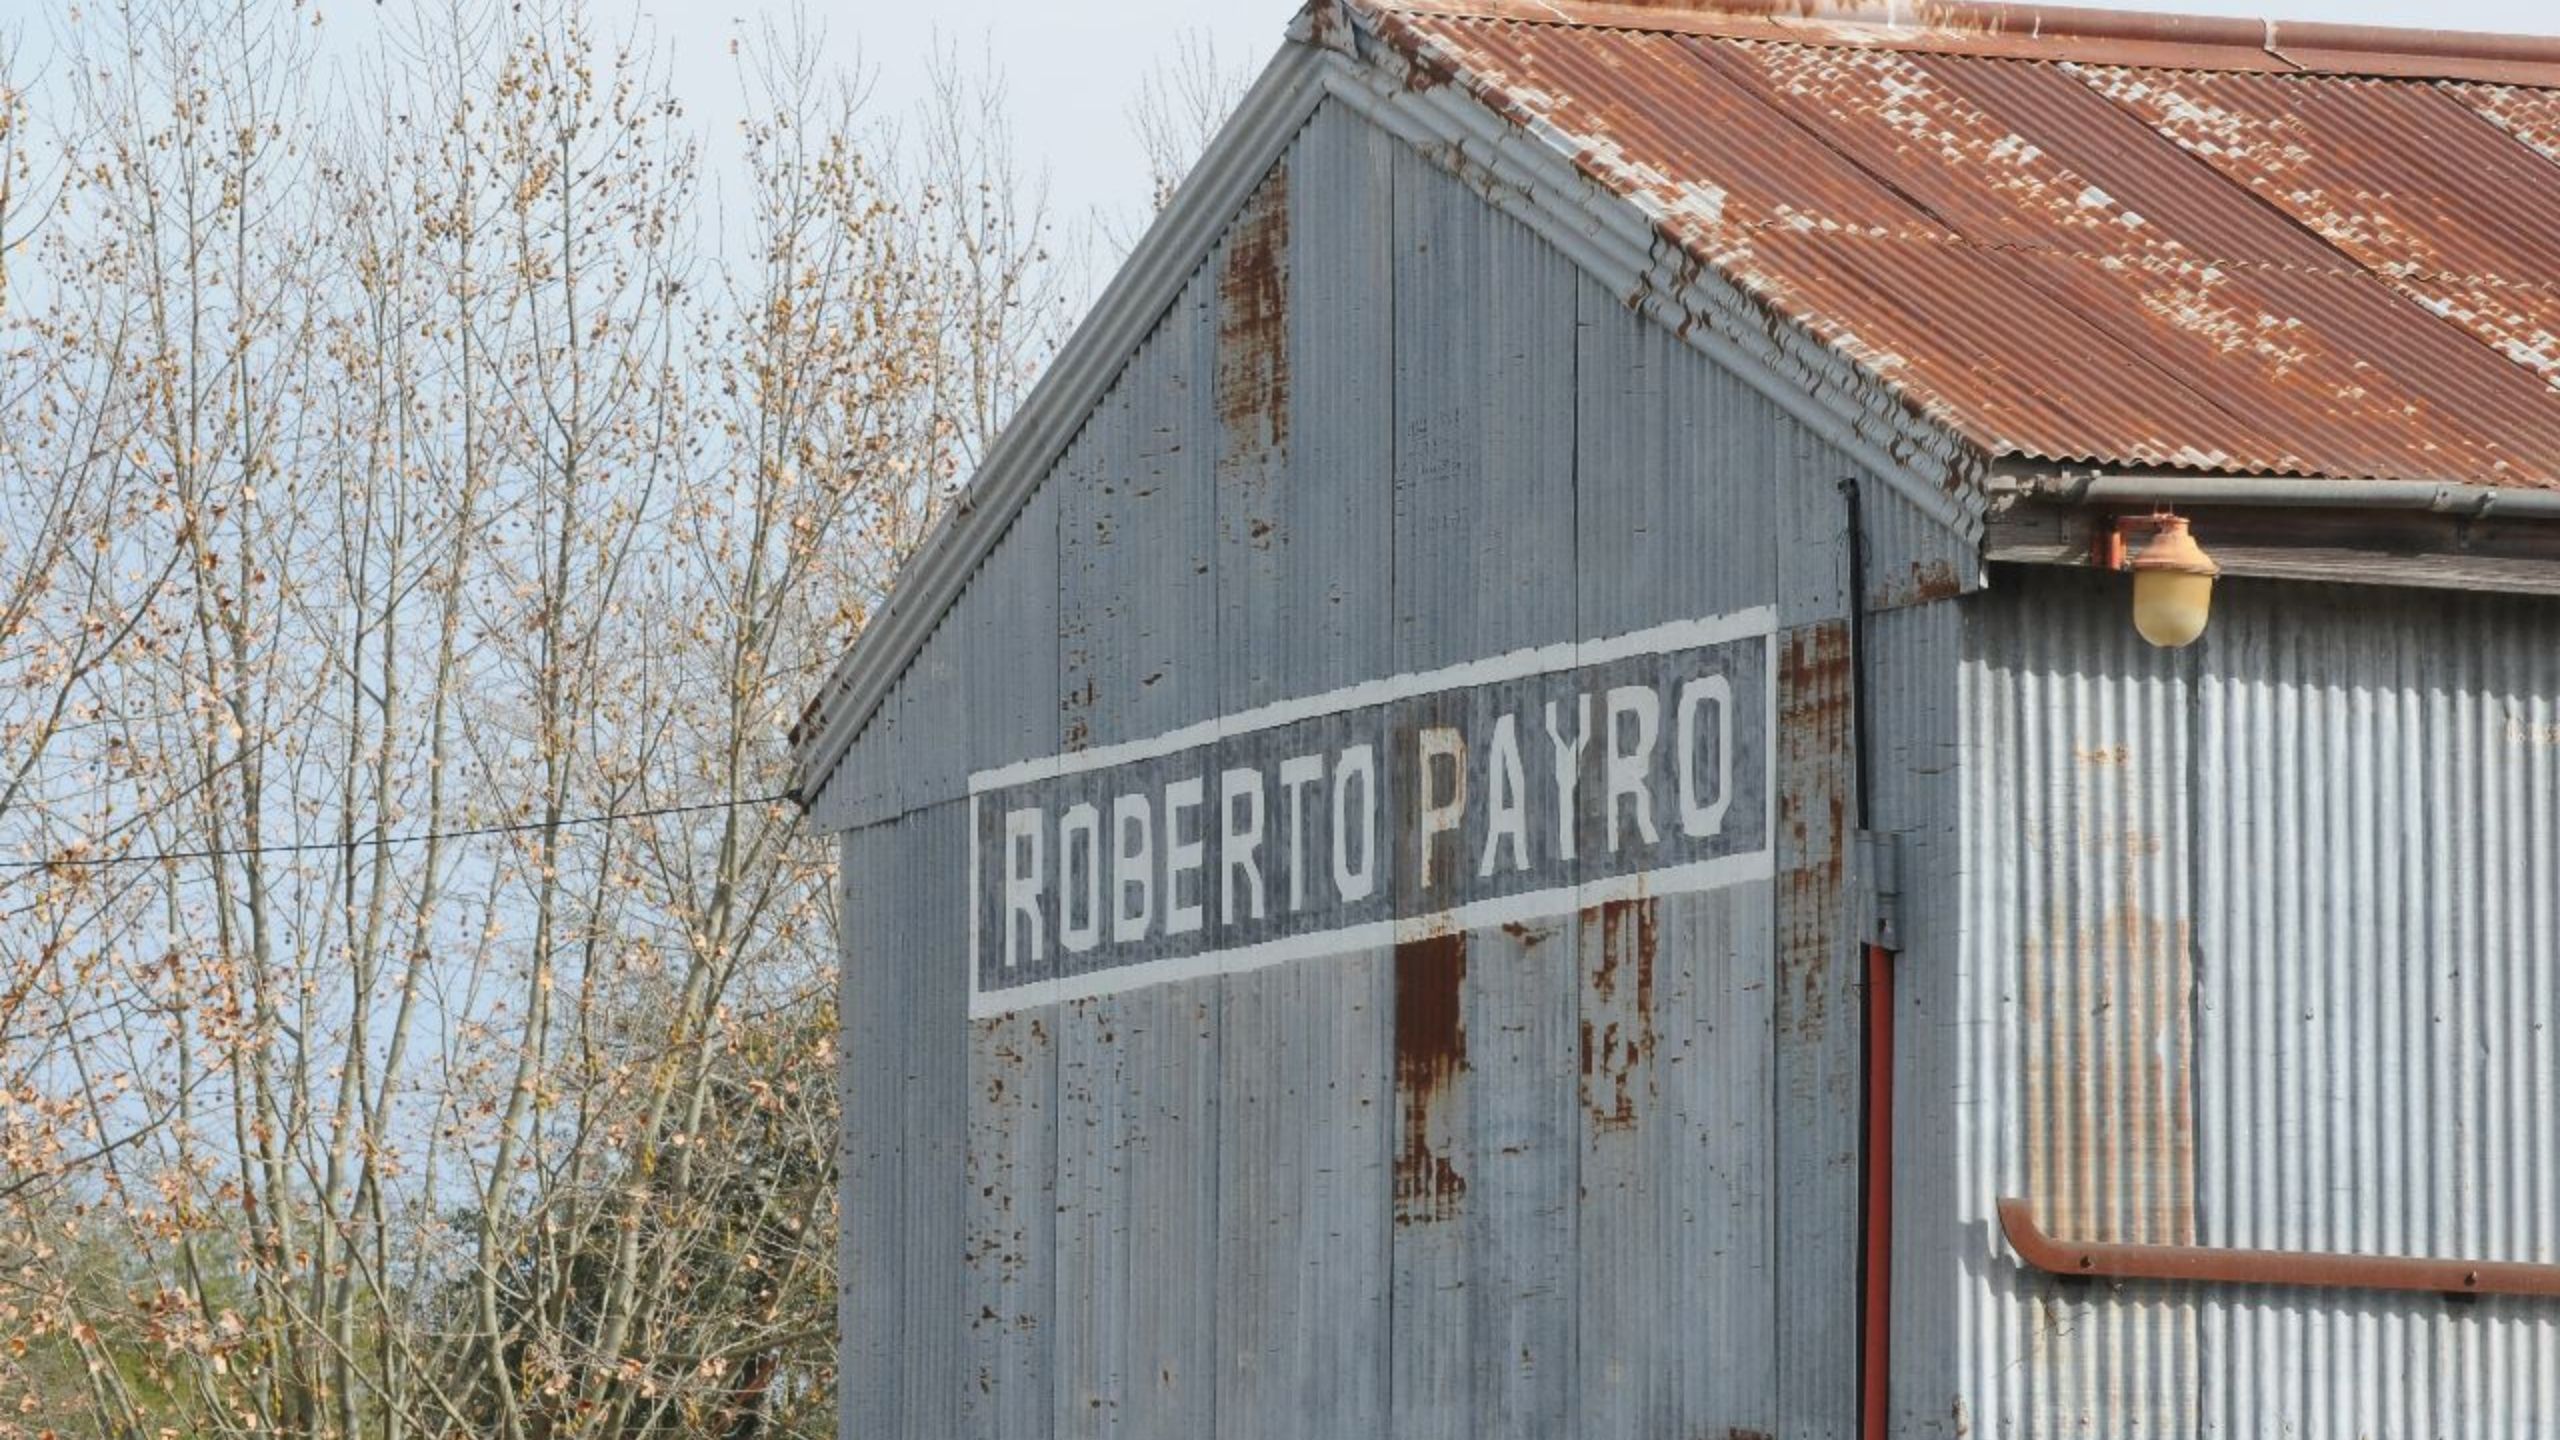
[[1618, 1031], [1918, 584], [1252, 379], [1813, 729], [1431, 1053]]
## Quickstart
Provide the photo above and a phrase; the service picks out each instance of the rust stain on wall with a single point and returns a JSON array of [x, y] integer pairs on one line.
[[1918, 584], [2108, 1002], [1077, 706], [1431, 1052], [1813, 753], [1251, 386], [1617, 1026]]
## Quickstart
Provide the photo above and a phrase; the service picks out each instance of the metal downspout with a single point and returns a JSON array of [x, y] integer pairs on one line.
[[1875, 1153]]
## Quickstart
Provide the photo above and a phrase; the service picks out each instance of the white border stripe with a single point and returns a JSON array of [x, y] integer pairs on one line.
[[1716, 874], [973, 907], [1538, 660]]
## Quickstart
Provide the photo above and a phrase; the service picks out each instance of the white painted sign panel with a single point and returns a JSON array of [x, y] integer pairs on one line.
[[1521, 786]]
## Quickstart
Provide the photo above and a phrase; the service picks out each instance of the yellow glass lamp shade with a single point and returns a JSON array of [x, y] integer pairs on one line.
[[2172, 586]]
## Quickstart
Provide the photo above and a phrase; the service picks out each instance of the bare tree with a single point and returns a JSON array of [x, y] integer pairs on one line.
[[1181, 104], [415, 1001]]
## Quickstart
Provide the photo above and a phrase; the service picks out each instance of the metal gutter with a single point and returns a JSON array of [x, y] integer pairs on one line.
[[2087, 488]]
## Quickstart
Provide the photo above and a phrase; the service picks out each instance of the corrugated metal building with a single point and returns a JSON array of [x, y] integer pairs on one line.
[[1522, 797]]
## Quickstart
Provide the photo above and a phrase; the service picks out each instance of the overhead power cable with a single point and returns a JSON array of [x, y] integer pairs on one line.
[[361, 842]]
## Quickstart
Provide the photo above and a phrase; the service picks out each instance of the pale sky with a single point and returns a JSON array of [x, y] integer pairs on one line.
[[1073, 66]]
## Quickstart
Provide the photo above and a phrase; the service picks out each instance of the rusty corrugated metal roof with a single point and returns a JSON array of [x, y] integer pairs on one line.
[[2082, 237]]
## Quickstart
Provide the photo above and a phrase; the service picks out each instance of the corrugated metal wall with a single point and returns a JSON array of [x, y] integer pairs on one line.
[[2244, 945], [1591, 1176]]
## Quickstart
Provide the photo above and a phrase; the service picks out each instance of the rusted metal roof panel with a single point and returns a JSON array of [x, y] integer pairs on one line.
[[2410, 182], [2119, 243]]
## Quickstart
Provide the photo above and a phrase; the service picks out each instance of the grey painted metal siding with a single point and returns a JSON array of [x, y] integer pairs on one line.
[[906, 1110], [1673, 514], [2074, 867], [1134, 1313], [1593, 1174], [1940, 1256], [2249, 945], [1306, 519], [1485, 1047]]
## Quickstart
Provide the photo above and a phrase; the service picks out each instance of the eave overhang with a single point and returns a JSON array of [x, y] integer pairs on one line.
[[2416, 533]]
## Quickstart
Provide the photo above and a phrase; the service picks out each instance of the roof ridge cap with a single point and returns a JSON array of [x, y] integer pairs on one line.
[[2317, 46]]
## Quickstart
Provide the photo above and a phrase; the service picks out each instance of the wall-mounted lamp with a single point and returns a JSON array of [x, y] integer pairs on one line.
[[2172, 577]]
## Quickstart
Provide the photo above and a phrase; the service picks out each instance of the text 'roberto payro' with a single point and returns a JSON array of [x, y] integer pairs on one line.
[[1312, 828]]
